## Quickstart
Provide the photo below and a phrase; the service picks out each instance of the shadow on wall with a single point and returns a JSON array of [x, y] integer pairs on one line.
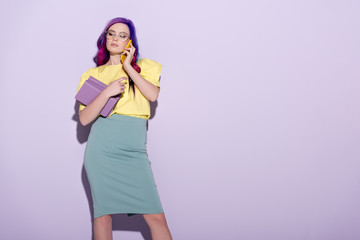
[[121, 222]]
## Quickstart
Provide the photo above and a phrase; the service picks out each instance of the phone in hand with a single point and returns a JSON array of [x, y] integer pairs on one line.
[[123, 56]]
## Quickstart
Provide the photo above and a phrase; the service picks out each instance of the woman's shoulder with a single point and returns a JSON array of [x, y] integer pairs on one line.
[[91, 71], [148, 63]]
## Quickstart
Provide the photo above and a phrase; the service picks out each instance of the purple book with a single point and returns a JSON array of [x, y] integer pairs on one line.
[[90, 90]]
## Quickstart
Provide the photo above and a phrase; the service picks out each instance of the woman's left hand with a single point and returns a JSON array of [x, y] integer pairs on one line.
[[129, 52]]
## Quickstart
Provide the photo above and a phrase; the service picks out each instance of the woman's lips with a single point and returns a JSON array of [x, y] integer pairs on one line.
[[114, 45]]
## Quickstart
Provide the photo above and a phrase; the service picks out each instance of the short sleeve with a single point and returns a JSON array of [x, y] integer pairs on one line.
[[83, 78], [150, 70]]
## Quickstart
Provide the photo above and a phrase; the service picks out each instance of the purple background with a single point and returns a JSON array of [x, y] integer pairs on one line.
[[256, 131]]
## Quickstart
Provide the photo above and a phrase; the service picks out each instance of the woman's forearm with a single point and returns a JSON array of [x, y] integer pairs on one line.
[[149, 90], [92, 110]]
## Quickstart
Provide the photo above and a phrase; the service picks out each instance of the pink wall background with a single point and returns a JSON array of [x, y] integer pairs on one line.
[[256, 132]]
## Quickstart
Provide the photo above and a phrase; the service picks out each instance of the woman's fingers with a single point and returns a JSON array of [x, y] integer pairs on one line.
[[119, 85], [122, 81], [130, 49], [122, 85], [129, 52]]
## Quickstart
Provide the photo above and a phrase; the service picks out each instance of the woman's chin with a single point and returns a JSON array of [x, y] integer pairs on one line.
[[115, 53]]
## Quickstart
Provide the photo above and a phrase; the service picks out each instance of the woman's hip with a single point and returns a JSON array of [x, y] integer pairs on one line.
[[119, 131]]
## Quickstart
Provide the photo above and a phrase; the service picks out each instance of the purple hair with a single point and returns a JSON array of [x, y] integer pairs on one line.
[[103, 54]]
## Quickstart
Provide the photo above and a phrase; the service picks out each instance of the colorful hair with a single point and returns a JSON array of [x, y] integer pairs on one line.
[[103, 55]]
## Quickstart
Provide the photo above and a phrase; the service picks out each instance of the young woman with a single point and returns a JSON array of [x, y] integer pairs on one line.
[[115, 158]]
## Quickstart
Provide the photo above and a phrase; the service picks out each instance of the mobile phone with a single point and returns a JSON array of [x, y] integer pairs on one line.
[[122, 58]]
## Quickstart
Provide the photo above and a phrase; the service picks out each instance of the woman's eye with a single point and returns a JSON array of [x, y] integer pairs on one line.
[[123, 36]]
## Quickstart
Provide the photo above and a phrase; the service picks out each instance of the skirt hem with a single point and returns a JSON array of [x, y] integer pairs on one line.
[[129, 214]]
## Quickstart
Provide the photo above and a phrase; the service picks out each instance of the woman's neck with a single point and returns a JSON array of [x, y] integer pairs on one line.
[[114, 60]]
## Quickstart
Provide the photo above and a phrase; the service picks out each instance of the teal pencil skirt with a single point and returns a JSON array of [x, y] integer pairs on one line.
[[118, 168]]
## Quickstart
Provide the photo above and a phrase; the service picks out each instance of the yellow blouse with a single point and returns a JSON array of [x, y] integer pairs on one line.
[[129, 104]]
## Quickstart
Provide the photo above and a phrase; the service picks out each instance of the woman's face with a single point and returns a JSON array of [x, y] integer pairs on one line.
[[117, 38]]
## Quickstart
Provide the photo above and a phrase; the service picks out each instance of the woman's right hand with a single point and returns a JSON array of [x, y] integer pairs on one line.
[[115, 87]]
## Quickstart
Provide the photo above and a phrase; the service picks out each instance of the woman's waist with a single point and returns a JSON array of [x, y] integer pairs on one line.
[[121, 130]]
